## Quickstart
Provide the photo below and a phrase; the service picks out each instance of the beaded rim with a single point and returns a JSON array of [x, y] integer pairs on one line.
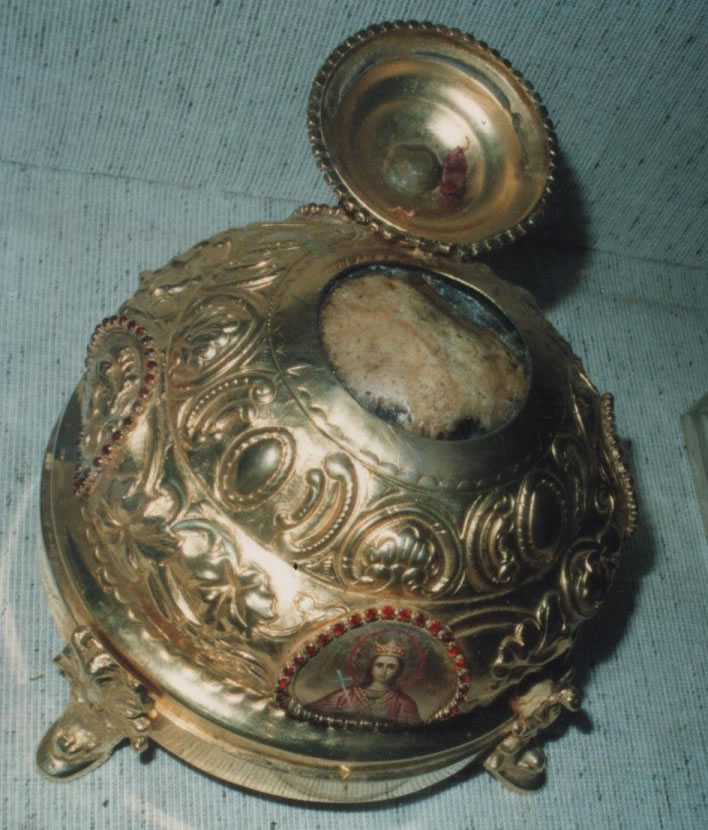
[[621, 469], [387, 613], [354, 208]]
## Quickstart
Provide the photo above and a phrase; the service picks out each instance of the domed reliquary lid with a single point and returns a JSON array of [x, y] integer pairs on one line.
[[327, 506]]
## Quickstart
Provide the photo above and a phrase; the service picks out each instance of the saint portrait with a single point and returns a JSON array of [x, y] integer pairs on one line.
[[383, 673], [378, 696]]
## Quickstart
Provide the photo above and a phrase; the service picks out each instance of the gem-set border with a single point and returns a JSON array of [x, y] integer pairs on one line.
[[85, 474], [387, 613]]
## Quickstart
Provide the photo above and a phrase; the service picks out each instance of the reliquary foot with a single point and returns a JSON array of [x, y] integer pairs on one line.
[[107, 705], [514, 761]]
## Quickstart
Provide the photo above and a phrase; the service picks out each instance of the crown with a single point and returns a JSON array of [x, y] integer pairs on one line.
[[392, 649]]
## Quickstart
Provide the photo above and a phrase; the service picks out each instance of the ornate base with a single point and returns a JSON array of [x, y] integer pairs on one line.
[[514, 762], [109, 705]]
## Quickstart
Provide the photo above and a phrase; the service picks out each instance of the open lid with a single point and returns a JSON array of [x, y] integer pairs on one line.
[[430, 136]]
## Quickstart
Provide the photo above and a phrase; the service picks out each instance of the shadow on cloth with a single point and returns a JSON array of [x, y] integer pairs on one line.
[[549, 261]]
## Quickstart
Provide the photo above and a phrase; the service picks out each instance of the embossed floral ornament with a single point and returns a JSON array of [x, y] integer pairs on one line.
[[234, 597], [406, 558], [589, 569], [215, 330], [535, 641], [402, 550]]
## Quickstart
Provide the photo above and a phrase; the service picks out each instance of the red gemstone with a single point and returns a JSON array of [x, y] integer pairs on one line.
[[338, 629], [122, 319], [455, 710], [355, 620], [128, 422], [387, 612], [288, 671], [149, 352], [283, 682], [371, 614], [461, 662], [116, 435], [435, 626], [454, 650], [446, 636], [463, 691], [97, 462], [132, 324], [323, 639], [404, 614], [465, 678], [151, 364], [298, 660], [140, 330], [106, 449], [144, 392], [149, 378], [311, 649], [421, 620]]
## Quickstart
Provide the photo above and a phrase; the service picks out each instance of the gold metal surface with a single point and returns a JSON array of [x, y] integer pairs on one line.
[[431, 137], [515, 764], [318, 603], [107, 705], [260, 559]]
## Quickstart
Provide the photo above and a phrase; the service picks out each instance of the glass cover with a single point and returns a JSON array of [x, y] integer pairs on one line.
[[423, 352]]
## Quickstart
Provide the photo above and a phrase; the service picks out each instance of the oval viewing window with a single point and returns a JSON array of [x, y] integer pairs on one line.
[[423, 352]]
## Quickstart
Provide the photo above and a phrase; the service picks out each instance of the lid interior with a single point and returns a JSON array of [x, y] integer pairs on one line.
[[430, 134]]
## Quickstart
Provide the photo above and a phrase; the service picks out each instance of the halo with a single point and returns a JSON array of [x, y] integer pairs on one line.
[[399, 633]]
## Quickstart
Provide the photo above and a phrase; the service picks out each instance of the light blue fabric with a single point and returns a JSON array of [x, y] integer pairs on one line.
[[128, 131]]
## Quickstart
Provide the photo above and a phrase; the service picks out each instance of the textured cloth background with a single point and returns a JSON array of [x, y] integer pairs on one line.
[[129, 130]]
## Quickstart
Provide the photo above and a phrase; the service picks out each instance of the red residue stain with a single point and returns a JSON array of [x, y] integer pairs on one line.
[[403, 214], [454, 173]]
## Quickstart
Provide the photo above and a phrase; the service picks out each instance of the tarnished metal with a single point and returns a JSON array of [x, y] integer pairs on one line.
[[313, 590]]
